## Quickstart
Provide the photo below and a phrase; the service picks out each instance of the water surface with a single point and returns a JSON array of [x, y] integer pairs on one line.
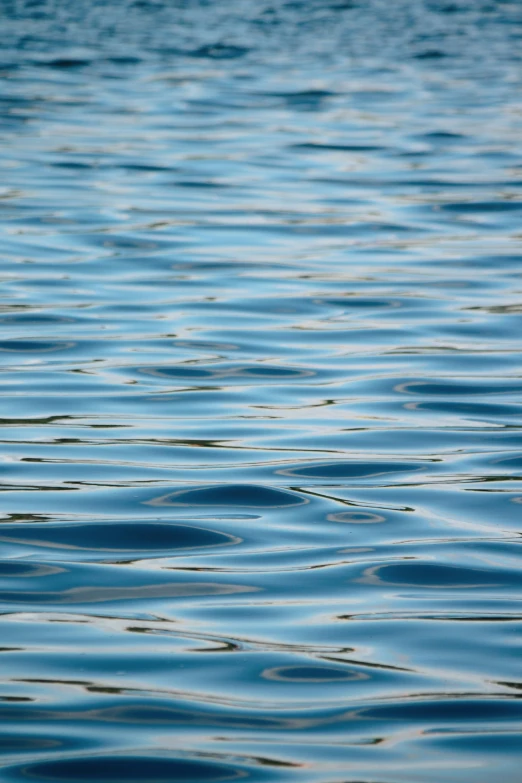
[[261, 391]]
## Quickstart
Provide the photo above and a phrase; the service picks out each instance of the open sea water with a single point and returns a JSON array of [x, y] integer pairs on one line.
[[261, 391]]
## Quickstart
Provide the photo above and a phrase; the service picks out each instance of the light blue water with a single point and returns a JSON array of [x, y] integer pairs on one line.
[[261, 391]]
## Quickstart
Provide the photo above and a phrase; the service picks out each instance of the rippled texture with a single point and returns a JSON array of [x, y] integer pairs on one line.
[[260, 350]]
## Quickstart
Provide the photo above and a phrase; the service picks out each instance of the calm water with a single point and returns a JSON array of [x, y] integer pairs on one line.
[[261, 332]]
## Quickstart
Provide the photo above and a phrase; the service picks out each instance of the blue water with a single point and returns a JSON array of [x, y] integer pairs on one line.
[[260, 348]]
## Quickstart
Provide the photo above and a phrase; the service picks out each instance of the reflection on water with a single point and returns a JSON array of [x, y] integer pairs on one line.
[[260, 347]]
